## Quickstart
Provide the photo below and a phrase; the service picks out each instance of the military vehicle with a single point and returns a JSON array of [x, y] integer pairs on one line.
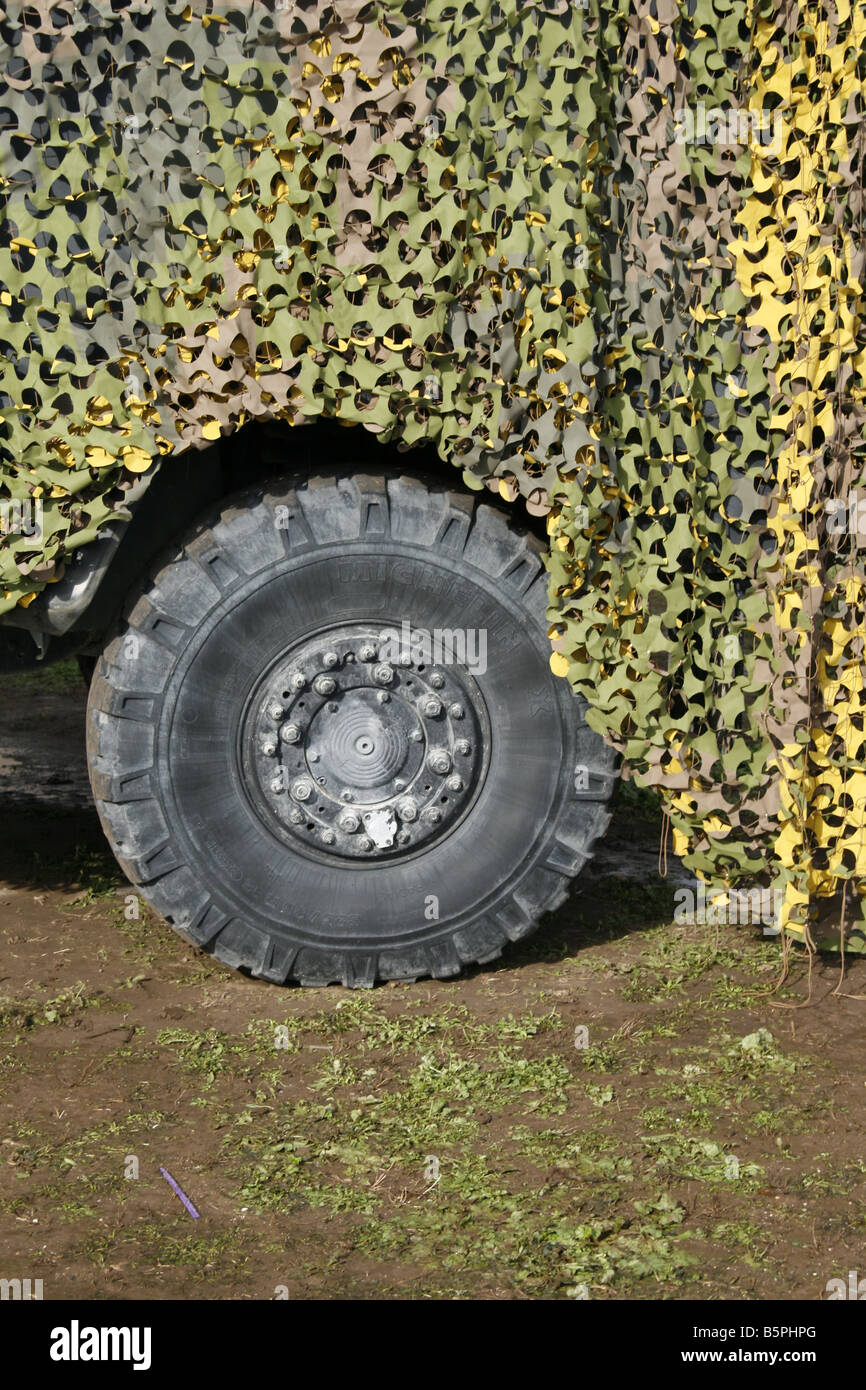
[[357, 352], [324, 738]]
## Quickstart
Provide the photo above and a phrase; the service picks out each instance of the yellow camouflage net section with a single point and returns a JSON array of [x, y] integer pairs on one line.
[[805, 258], [713, 610], [608, 258]]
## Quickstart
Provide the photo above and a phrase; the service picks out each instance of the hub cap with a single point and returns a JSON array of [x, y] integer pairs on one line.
[[359, 757]]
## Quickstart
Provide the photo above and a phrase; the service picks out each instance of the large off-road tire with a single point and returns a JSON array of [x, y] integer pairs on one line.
[[257, 735]]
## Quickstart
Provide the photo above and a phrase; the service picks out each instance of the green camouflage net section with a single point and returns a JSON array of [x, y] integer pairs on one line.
[[221, 213], [606, 257]]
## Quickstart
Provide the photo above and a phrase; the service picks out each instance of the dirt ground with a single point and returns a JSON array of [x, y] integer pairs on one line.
[[621, 1108]]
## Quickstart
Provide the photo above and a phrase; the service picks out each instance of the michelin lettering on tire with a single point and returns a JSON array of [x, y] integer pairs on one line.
[[301, 759]]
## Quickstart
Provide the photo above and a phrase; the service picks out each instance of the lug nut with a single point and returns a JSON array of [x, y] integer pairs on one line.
[[301, 790], [297, 680], [407, 810], [383, 675], [275, 710], [455, 783], [456, 711], [324, 685], [278, 784], [367, 652], [432, 814], [439, 762], [349, 822], [437, 681], [431, 706], [328, 837], [365, 844], [269, 746], [290, 733], [463, 746], [330, 659]]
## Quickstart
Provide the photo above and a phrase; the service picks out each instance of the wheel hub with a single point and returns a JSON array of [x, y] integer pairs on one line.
[[360, 757]]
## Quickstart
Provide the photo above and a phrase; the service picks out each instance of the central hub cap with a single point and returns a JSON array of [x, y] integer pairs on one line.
[[358, 757], [363, 744]]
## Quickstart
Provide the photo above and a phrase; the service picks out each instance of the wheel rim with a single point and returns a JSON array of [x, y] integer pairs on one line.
[[355, 747]]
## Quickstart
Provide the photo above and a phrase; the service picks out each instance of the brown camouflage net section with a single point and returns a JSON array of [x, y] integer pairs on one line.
[[606, 257]]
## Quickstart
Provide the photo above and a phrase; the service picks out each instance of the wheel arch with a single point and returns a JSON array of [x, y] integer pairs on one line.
[[71, 618]]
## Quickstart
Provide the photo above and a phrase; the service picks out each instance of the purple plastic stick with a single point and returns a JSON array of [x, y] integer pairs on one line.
[[181, 1194]]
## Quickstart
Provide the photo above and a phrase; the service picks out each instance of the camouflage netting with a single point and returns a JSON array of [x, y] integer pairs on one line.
[[609, 257]]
